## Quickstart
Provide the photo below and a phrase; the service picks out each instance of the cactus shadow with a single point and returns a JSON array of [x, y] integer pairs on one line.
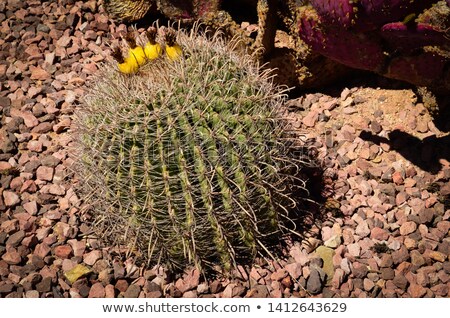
[[309, 211], [424, 153]]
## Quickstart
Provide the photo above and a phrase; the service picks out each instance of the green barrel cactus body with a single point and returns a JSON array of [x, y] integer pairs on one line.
[[187, 162]]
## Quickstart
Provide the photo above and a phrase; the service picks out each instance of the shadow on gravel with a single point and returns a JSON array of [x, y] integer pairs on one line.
[[424, 153]]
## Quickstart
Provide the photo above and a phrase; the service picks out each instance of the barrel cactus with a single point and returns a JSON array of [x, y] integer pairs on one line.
[[189, 161]]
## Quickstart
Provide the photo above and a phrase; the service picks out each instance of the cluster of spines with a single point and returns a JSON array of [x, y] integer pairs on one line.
[[138, 55], [193, 165]]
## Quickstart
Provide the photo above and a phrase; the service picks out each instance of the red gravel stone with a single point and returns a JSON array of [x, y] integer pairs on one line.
[[63, 251], [78, 247], [311, 119], [42, 250], [5, 167], [91, 257], [401, 255], [44, 173], [397, 178], [359, 270], [109, 291], [408, 228], [294, 269], [416, 291], [435, 255], [10, 198], [121, 285], [97, 291], [279, 274], [12, 257], [379, 234], [38, 73]]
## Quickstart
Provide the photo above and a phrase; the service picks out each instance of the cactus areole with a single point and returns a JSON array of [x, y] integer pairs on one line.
[[189, 162]]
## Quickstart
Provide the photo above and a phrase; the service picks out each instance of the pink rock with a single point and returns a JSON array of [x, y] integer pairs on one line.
[[29, 119], [56, 189], [408, 228], [397, 178], [311, 118], [45, 173], [190, 294], [190, 281], [35, 145], [68, 264], [441, 290], [78, 247], [5, 167], [401, 197], [435, 255], [16, 183], [346, 266], [42, 250], [109, 291], [379, 234], [228, 292], [347, 235], [417, 205], [9, 226], [326, 233], [28, 186], [63, 251], [362, 229], [42, 128], [20, 14], [338, 278], [299, 256], [444, 226], [368, 284], [121, 285], [416, 291], [91, 257], [12, 257], [354, 249], [279, 274], [62, 230], [410, 243], [37, 73], [64, 41], [10, 198], [97, 291], [409, 182], [53, 214], [294, 269]]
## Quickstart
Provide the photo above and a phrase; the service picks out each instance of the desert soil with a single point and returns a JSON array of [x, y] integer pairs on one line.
[[384, 216]]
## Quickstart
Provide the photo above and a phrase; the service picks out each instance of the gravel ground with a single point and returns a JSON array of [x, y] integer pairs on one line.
[[385, 225]]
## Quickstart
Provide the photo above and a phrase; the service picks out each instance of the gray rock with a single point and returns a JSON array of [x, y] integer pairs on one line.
[[315, 282], [132, 291]]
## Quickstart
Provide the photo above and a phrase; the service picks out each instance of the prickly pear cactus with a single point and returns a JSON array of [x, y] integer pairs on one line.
[[402, 39], [188, 161]]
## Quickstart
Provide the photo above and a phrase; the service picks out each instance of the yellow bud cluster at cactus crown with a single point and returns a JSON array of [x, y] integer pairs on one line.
[[138, 55]]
